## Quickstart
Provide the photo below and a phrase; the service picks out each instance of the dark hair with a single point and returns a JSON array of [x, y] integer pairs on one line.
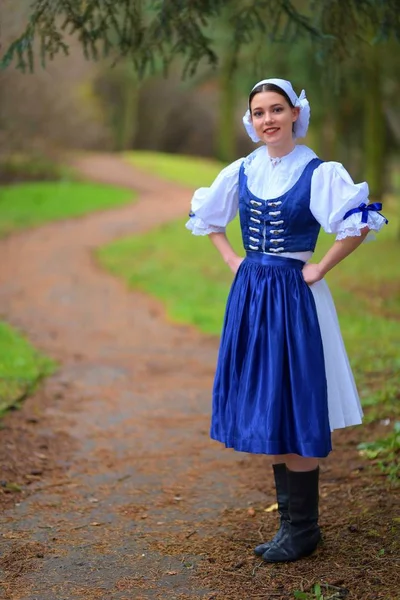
[[269, 87]]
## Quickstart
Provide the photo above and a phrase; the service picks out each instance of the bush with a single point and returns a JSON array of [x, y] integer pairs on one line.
[[20, 167]]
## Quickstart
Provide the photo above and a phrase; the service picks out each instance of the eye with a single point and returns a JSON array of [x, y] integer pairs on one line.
[[257, 113], [278, 109]]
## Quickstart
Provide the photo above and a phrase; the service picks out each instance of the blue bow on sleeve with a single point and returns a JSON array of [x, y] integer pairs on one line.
[[365, 209]]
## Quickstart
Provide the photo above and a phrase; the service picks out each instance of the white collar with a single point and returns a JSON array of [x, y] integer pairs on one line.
[[276, 160]]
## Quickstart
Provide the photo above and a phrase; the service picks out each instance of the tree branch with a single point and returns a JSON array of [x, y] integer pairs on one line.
[[151, 30]]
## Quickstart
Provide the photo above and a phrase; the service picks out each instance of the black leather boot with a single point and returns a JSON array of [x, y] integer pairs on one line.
[[301, 533], [282, 498]]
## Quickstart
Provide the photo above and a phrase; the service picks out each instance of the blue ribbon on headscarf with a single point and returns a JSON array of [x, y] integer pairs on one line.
[[365, 209]]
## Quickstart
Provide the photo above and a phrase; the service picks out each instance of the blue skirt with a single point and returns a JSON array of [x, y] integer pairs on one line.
[[270, 391]]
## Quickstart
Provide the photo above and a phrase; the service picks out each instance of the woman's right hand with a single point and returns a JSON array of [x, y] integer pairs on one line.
[[226, 251], [234, 263]]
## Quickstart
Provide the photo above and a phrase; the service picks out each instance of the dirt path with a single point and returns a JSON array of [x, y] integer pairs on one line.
[[126, 492]]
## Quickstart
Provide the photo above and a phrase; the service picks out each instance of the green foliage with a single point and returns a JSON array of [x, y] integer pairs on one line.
[[146, 31], [28, 204], [21, 367], [322, 591], [316, 594], [384, 401], [385, 452], [21, 167]]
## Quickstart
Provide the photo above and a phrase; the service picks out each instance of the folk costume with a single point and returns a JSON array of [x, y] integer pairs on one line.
[[283, 380]]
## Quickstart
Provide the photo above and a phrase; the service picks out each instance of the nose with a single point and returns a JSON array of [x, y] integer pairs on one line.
[[269, 118]]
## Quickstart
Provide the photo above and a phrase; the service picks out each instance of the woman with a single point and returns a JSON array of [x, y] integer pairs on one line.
[[283, 381]]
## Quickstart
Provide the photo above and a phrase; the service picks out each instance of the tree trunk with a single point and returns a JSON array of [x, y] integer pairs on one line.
[[374, 125], [126, 116], [225, 146]]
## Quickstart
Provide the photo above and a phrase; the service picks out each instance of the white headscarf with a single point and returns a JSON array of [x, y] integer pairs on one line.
[[300, 126]]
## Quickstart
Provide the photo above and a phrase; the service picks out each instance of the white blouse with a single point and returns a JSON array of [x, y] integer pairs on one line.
[[333, 193]]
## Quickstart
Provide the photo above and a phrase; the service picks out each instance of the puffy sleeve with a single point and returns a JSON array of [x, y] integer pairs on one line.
[[340, 205], [214, 207]]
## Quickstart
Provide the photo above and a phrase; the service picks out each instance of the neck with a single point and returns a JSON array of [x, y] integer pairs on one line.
[[281, 150]]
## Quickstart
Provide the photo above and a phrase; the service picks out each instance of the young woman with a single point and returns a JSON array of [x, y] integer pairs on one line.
[[283, 380]]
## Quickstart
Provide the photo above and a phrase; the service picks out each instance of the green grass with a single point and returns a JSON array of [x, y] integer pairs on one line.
[[21, 367], [187, 274], [29, 204], [186, 170], [180, 269]]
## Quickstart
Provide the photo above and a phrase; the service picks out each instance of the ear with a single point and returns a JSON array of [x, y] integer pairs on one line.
[[295, 113]]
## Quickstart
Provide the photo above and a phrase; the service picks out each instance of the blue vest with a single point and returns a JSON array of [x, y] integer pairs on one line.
[[284, 224]]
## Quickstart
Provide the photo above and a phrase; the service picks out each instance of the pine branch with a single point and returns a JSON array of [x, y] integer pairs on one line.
[[149, 30]]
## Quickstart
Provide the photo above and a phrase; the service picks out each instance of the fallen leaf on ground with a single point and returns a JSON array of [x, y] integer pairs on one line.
[[13, 487], [271, 508]]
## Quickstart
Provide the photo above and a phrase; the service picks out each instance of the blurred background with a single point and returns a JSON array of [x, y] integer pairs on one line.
[[81, 104]]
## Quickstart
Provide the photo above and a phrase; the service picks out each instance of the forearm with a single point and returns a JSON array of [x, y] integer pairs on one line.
[[221, 243], [340, 250]]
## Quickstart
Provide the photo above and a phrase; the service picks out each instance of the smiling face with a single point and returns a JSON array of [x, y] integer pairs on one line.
[[273, 119]]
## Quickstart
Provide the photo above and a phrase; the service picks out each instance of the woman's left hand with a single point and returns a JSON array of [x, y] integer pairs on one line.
[[312, 273]]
